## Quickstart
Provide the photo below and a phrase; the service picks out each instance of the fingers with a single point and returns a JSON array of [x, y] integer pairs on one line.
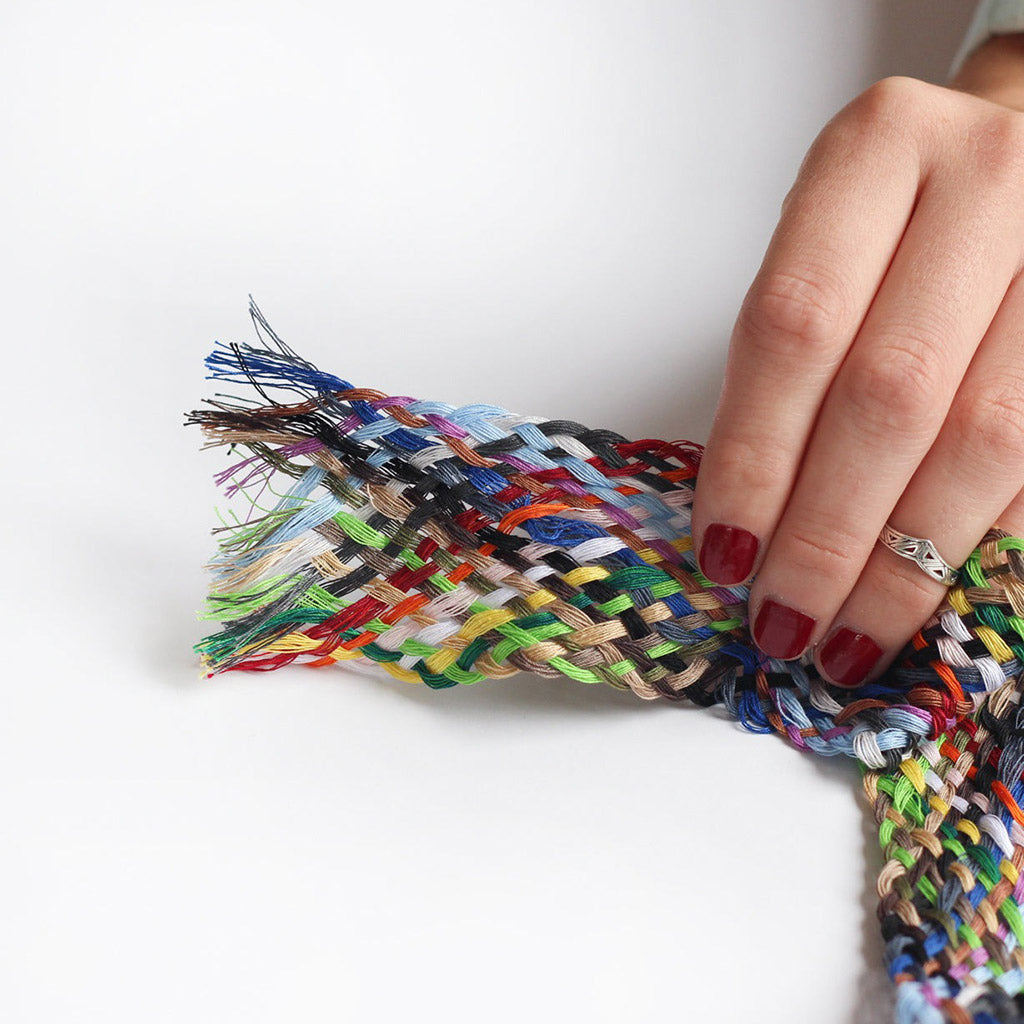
[[882, 414], [824, 263], [970, 479]]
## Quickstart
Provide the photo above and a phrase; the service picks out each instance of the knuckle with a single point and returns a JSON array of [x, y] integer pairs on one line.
[[792, 311], [895, 390], [891, 103], [825, 549], [898, 113], [991, 421], [744, 467]]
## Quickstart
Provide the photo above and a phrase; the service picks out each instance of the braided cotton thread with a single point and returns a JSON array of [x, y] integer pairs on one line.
[[950, 825], [456, 544]]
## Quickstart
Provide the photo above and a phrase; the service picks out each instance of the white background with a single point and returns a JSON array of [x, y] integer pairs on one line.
[[552, 206]]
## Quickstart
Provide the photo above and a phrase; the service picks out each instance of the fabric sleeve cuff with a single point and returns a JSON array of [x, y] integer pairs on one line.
[[991, 18]]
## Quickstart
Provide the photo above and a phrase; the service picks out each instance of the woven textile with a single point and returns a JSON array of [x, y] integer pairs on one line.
[[452, 545]]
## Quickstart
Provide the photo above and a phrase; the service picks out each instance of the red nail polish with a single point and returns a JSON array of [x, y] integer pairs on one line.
[[727, 553], [847, 656], [781, 631]]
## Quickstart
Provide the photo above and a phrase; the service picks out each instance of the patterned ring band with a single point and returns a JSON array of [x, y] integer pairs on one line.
[[920, 550]]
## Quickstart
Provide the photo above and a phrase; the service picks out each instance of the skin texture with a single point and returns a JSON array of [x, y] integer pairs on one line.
[[876, 370]]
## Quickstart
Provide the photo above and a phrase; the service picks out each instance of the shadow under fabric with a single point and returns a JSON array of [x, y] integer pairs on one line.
[[452, 545]]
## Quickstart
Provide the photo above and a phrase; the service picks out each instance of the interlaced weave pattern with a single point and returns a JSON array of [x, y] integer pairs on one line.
[[455, 544]]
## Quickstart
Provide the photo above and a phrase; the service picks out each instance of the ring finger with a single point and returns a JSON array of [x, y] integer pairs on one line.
[[970, 478]]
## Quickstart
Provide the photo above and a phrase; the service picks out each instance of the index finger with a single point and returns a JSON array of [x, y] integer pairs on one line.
[[841, 223]]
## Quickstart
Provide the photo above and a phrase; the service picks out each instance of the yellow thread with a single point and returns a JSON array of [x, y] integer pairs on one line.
[[405, 674], [970, 830], [340, 654], [441, 660], [585, 574], [482, 622], [958, 601], [939, 805], [912, 770], [650, 556], [1010, 872], [540, 598], [994, 642], [293, 642]]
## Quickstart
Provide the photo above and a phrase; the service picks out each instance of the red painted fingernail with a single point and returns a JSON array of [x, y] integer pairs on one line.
[[727, 553], [847, 656], [781, 631]]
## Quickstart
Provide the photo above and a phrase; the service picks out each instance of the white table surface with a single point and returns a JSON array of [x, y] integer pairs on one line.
[[552, 206]]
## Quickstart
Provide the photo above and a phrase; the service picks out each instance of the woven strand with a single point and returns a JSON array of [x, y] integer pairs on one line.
[[456, 544]]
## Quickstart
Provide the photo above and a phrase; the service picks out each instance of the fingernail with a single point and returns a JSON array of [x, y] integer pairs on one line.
[[847, 656], [781, 631], [727, 553]]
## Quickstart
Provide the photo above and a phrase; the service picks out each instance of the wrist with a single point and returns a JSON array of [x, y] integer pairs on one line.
[[995, 71]]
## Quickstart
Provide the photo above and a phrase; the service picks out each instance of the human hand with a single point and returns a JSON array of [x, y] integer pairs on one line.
[[875, 373]]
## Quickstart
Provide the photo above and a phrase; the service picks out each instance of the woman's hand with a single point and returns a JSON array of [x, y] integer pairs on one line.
[[876, 371]]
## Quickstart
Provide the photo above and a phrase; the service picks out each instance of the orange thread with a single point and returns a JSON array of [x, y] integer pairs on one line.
[[1011, 805], [359, 641], [520, 515], [946, 674], [459, 574], [948, 750], [406, 607]]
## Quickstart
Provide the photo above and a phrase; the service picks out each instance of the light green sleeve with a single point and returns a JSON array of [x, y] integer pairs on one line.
[[992, 18]]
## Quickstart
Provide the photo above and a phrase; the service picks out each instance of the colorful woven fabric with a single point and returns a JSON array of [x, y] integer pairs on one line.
[[452, 545]]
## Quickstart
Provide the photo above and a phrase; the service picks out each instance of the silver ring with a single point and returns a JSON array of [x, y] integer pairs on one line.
[[922, 551]]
